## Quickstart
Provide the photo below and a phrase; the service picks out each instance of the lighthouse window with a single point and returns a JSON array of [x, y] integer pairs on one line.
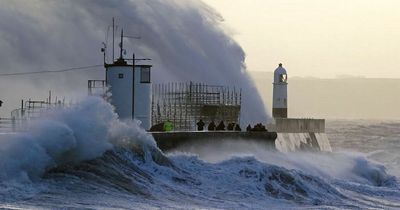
[[120, 76], [145, 75], [283, 78]]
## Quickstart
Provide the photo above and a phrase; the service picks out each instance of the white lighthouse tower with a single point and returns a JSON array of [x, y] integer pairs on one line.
[[130, 88], [279, 104]]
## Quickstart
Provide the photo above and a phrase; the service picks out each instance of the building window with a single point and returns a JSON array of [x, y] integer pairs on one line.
[[145, 75], [121, 76]]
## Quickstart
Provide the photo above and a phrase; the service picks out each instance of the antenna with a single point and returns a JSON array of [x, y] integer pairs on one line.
[[133, 37], [121, 44], [104, 50], [113, 34]]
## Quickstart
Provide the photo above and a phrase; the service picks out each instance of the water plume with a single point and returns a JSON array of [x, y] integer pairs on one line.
[[67, 136], [185, 39]]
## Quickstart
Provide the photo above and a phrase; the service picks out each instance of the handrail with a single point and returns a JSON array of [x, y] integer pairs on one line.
[[21, 116]]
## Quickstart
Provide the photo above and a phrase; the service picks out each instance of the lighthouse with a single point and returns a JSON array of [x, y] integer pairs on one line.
[[130, 88], [279, 104]]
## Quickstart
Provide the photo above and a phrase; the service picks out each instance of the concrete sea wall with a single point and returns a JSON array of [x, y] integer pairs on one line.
[[300, 135], [292, 142], [167, 141], [292, 125]]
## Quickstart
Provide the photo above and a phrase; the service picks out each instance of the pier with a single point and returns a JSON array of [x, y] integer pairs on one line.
[[168, 141]]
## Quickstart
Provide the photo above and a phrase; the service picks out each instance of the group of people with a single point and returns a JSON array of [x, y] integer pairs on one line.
[[257, 127], [220, 127], [167, 126]]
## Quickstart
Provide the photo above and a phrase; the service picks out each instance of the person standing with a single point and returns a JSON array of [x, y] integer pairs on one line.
[[230, 126], [211, 126], [221, 126], [248, 128], [200, 125], [237, 127], [168, 127]]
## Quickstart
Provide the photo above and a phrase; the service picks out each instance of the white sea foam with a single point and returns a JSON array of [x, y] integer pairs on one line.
[[351, 166], [67, 135], [51, 167]]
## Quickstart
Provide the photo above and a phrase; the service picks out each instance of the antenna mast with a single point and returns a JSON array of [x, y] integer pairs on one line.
[[113, 27], [122, 44]]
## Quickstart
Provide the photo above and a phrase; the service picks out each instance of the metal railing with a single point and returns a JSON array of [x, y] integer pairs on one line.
[[30, 110], [97, 88]]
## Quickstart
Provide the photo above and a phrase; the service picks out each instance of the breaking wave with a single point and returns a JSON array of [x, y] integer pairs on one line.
[[84, 157]]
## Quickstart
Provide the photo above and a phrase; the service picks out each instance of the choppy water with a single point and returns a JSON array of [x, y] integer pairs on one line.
[[378, 140], [122, 168]]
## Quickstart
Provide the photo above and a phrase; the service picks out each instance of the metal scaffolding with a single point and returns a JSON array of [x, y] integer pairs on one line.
[[186, 103]]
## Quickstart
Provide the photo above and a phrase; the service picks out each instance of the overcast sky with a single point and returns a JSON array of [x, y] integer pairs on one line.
[[187, 41], [321, 38]]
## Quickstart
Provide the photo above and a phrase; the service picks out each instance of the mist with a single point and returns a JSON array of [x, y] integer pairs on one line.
[[341, 98], [185, 39]]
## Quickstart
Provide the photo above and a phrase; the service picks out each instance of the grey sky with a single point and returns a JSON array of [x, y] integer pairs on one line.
[[321, 38]]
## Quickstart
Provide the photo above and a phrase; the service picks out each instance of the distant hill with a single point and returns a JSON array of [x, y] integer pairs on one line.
[[342, 98]]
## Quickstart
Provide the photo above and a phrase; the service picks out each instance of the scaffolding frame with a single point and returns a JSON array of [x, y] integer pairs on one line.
[[184, 104]]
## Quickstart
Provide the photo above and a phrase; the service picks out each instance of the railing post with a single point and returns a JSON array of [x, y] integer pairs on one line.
[[13, 124]]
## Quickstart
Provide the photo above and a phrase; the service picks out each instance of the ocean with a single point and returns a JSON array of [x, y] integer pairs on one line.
[[73, 160]]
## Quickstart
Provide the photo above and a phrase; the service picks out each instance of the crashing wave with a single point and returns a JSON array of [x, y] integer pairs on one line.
[[85, 152]]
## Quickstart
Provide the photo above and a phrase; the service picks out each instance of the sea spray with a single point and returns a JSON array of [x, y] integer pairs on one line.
[[351, 166], [66, 135], [135, 174], [185, 39]]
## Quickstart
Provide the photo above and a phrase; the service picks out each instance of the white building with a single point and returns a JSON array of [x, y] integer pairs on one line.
[[130, 88]]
